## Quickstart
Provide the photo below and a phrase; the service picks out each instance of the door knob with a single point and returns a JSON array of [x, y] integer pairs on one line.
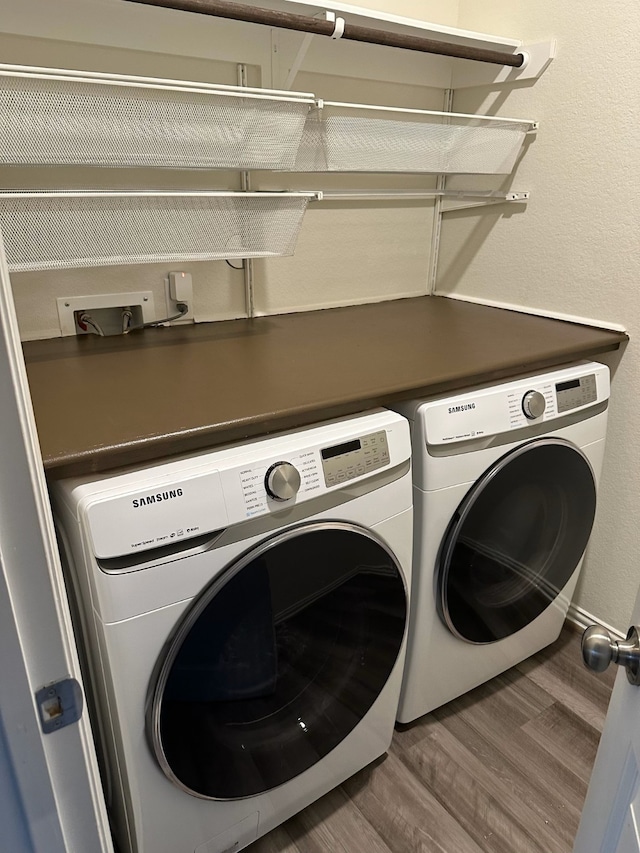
[[599, 649]]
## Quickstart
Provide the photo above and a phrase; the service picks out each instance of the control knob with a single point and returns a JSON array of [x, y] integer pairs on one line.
[[533, 405], [282, 481]]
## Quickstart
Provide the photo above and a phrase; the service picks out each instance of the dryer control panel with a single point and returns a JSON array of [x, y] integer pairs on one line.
[[575, 393], [514, 405]]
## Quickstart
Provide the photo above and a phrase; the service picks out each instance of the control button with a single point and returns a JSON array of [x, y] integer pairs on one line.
[[282, 481], [533, 405]]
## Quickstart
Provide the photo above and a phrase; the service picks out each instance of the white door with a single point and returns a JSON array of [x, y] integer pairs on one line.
[[610, 820], [50, 793]]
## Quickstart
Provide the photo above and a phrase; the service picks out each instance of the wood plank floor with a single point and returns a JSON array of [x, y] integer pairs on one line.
[[503, 769]]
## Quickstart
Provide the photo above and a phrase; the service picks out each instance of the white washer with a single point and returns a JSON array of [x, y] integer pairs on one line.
[[505, 480], [244, 616]]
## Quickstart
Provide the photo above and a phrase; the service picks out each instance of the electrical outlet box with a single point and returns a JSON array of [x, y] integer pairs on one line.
[[106, 309], [179, 288]]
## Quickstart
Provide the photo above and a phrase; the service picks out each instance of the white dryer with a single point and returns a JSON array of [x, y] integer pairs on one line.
[[244, 614], [505, 480]]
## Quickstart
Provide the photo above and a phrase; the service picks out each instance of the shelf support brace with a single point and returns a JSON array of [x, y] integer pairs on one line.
[[480, 199], [477, 197], [338, 32]]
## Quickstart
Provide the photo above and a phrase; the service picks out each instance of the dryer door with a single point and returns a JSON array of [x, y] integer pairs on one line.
[[277, 661], [515, 540]]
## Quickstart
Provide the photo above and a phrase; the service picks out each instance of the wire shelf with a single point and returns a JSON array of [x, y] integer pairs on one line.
[[359, 138], [60, 117], [46, 230]]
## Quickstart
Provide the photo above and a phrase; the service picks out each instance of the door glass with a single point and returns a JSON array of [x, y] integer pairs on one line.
[[515, 540], [278, 661]]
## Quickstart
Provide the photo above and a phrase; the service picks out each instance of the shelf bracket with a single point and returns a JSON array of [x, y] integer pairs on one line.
[[338, 32], [451, 199], [465, 200]]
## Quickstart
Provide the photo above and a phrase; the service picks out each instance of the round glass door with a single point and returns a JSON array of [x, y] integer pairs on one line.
[[277, 661], [515, 540]]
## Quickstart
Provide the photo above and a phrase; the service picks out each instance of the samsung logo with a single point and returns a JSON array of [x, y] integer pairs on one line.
[[463, 408], [157, 498]]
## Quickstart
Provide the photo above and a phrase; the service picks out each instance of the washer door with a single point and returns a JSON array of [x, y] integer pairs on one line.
[[277, 661], [515, 540]]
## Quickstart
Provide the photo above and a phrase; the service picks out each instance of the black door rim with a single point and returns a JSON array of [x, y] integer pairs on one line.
[[172, 646], [460, 515]]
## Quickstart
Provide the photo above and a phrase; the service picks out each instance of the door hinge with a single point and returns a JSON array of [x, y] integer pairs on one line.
[[59, 704]]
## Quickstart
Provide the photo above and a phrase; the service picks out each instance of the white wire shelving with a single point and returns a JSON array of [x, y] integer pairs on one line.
[[61, 117], [63, 230], [343, 137]]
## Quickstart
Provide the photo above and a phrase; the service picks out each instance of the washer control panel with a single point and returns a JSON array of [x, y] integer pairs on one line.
[[150, 507], [350, 459], [266, 486]]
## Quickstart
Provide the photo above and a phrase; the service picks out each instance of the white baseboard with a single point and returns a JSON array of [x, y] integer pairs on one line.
[[581, 619], [538, 312]]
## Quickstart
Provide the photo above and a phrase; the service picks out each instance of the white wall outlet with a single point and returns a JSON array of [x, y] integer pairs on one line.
[[108, 305], [179, 288]]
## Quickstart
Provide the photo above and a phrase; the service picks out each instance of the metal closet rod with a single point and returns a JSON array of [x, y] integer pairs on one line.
[[316, 26]]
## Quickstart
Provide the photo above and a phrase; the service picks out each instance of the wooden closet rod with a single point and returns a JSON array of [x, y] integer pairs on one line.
[[289, 21]]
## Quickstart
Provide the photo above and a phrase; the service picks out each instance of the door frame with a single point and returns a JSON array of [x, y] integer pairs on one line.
[[36, 634]]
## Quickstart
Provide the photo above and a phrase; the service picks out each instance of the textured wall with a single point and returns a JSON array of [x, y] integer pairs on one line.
[[574, 248]]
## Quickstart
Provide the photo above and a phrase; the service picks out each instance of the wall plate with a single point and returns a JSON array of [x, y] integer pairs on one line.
[[68, 305]]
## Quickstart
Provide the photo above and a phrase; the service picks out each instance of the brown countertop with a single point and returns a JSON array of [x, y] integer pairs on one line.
[[104, 402]]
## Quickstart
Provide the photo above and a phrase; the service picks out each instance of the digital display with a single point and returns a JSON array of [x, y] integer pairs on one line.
[[339, 449], [575, 393], [566, 386], [356, 458]]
